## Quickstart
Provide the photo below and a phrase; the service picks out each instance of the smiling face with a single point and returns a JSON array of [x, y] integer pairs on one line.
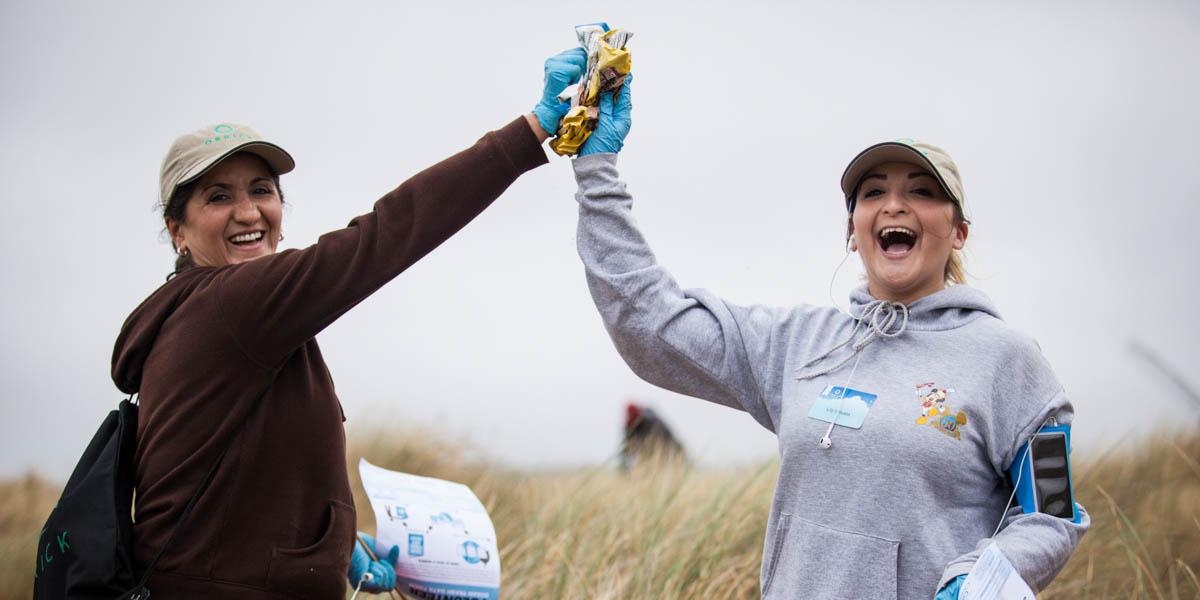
[[233, 215], [904, 228]]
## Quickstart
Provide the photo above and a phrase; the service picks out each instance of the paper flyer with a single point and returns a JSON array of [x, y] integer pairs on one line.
[[994, 578], [447, 542]]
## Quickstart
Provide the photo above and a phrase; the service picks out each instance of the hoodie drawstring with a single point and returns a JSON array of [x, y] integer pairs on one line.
[[883, 319], [880, 316]]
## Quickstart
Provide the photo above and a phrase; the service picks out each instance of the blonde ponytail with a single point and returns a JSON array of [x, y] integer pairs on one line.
[[956, 272]]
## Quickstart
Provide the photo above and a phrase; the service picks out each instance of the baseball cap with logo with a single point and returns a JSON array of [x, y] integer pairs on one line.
[[910, 151], [193, 154]]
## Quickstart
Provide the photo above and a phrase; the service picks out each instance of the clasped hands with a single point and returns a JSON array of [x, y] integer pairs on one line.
[[567, 68]]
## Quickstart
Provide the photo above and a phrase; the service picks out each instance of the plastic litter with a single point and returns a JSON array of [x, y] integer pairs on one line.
[[609, 62]]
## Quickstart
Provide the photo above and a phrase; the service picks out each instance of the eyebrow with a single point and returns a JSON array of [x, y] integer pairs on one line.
[[227, 186]]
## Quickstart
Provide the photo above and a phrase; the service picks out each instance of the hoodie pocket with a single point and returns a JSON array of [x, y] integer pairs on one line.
[[809, 560], [319, 569]]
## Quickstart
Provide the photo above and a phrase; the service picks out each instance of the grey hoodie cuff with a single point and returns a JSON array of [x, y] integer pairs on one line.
[[595, 169]]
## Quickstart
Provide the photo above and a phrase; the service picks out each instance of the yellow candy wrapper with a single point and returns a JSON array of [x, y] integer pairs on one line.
[[609, 62], [612, 65]]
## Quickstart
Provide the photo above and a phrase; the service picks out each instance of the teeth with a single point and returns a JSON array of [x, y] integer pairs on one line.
[[247, 237], [887, 230]]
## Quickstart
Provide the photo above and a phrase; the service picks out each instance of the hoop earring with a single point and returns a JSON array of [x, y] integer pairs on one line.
[[281, 236]]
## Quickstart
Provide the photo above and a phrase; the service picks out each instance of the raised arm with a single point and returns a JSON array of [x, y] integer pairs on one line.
[[689, 341], [275, 304]]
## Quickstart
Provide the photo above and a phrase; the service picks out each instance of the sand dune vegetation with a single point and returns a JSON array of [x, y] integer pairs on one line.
[[668, 530]]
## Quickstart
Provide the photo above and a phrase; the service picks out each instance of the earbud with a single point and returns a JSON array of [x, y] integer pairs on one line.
[[825, 442]]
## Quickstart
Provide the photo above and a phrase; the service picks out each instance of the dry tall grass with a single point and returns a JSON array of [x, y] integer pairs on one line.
[[661, 531], [670, 531], [1145, 535]]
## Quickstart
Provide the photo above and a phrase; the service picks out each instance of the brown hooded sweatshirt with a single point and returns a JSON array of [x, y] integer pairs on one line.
[[213, 344]]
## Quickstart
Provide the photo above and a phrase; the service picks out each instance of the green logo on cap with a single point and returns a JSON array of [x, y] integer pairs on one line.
[[223, 132]]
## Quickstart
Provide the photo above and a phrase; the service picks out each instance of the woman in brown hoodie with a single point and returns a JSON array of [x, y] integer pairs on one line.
[[225, 350]]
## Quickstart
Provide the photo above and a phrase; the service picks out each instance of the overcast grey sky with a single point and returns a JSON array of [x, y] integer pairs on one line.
[[1074, 124]]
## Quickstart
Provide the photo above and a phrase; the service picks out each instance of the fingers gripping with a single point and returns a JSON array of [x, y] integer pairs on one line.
[[625, 99], [565, 68], [560, 70]]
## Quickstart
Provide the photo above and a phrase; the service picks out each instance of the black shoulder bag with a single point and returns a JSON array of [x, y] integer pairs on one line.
[[85, 550]]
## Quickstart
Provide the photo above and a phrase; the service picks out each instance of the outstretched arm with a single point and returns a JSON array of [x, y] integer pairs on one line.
[[689, 341], [277, 303]]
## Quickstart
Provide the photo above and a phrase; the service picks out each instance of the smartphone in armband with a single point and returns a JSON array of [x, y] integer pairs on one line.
[[1042, 474]]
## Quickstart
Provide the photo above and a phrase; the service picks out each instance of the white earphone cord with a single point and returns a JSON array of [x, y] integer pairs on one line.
[[880, 316], [832, 279], [828, 437], [826, 440], [1020, 472], [361, 580]]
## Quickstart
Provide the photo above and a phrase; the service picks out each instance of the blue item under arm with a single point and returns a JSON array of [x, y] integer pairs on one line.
[[382, 572], [950, 591]]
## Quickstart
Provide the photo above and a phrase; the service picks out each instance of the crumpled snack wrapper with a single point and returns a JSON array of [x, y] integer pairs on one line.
[[609, 62]]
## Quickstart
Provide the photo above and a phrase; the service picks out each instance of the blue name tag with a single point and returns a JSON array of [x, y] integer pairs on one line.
[[849, 411]]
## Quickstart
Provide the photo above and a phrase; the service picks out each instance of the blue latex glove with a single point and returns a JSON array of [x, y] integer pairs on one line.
[[950, 592], [615, 120], [383, 572], [562, 70]]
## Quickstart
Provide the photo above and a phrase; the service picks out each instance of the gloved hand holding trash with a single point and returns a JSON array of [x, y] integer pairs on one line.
[[608, 65], [616, 118], [561, 70], [372, 574]]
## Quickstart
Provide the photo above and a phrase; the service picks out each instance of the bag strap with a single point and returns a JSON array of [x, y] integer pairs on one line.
[[188, 509]]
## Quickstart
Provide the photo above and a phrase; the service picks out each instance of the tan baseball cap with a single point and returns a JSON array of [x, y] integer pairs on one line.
[[193, 154], [910, 151]]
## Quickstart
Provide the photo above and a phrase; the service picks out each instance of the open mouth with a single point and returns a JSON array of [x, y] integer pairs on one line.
[[246, 239], [897, 241]]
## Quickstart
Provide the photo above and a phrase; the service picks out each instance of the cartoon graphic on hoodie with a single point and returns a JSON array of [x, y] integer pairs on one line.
[[936, 413], [851, 519]]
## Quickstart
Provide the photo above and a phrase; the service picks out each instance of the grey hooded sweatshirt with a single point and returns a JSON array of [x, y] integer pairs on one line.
[[894, 509]]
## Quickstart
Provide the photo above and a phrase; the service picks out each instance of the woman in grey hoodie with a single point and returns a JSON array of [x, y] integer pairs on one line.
[[937, 394]]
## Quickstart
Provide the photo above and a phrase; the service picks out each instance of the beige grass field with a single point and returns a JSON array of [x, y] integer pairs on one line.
[[668, 531]]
